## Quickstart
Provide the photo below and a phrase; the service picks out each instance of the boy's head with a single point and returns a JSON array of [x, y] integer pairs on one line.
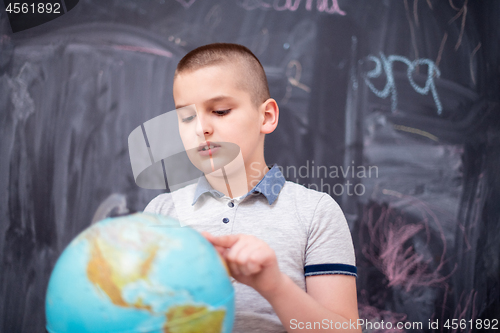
[[251, 75], [228, 86]]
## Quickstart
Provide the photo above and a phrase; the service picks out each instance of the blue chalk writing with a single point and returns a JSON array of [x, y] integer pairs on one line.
[[386, 63]]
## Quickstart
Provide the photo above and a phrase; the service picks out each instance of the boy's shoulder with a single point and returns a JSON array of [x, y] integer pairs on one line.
[[309, 204], [300, 193], [300, 189], [164, 203]]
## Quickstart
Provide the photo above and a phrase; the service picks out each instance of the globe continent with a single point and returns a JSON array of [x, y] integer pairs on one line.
[[140, 273]]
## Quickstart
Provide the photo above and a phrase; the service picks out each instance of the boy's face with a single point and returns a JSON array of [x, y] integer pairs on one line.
[[225, 113]]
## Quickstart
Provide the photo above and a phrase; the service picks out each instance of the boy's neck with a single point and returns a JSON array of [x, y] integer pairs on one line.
[[235, 182]]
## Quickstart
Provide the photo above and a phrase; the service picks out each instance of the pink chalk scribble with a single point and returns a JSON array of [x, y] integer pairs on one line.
[[465, 311], [293, 5], [388, 248], [372, 314]]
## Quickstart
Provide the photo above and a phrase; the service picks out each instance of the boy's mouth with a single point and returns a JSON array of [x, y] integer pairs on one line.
[[206, 146]]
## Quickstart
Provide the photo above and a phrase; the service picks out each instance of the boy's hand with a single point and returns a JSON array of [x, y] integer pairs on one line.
[[250, 260]]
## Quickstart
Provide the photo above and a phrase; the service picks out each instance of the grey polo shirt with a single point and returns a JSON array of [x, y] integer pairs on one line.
[[306, 229]]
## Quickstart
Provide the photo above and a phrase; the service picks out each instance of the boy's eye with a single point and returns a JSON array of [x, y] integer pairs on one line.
[[222, 112], [188, 119]]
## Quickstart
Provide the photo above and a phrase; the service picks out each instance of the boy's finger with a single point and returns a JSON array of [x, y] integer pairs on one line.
[[224, 241], [247, 259], [207, 235], [233, 267], [232, 253], [253, 268], [221, 250]]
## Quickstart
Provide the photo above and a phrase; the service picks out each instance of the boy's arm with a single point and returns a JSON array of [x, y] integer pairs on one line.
[[330, 300]]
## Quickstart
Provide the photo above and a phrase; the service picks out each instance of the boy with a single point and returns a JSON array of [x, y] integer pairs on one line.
[[288, 247]]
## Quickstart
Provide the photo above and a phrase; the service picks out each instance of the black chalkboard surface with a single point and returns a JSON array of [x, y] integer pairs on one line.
[[390, 106]]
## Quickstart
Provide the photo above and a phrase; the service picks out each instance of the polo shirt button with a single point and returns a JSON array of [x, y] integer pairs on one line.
[[225, 220], [230, 204]]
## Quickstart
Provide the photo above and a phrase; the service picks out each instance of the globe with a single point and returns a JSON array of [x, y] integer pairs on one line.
[[139, 273]]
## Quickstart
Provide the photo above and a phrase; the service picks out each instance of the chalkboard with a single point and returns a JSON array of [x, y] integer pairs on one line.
[[390, 106]]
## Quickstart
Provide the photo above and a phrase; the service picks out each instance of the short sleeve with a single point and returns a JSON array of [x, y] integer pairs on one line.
[[329, 248], [154, 206], [162, 204]]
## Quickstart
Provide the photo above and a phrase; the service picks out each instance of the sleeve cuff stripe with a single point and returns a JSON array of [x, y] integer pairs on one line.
[[332, 272], [330, 269]]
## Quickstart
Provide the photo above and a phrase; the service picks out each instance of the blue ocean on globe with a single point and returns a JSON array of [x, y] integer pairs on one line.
[[140, 273]]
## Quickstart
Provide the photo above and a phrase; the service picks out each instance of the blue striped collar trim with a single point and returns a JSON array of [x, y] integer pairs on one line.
[[270, 186]]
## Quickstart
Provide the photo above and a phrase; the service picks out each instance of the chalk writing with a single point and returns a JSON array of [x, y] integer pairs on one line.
[[461, 12], [390, 87], [260, 42], [214, 17], [293, 5], [441, 47], [186, 4], [294, 80], [471, 63], [151, 50], [412, 29], [389, 249]]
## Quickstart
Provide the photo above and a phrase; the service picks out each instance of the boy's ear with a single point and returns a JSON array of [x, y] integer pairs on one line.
[[270, 111]]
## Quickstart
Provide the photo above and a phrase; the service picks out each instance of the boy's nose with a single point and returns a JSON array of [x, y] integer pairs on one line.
[[203, 126]]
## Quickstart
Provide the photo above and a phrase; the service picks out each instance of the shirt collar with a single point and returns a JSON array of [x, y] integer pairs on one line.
[[270, 186], [204, 186]]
